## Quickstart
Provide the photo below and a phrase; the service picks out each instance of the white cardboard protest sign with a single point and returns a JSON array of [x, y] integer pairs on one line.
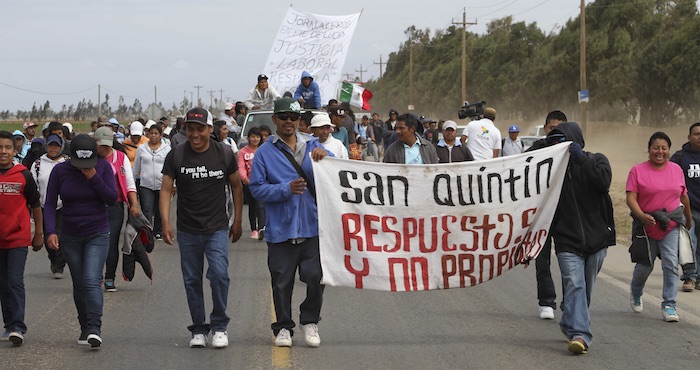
[[401, 227], [310, 42]]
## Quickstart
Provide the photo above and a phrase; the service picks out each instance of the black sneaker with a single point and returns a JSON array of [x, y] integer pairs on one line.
[[159, 237], [261, 233], [109, 286], [94, 340], [16, 338], [82, 339]]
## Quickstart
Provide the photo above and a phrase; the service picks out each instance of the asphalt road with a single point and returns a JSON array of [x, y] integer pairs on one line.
[[491, 326]]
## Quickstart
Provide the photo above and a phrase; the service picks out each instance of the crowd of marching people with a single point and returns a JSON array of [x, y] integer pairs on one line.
[[80, 189]]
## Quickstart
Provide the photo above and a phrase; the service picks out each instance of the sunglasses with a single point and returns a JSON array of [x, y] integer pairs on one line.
[[286, 116]]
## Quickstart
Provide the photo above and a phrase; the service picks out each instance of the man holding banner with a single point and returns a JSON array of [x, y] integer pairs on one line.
[[583, 228], [282, 178]]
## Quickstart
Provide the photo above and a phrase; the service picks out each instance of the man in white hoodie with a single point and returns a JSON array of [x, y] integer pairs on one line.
[[40, 170], [321, 128]]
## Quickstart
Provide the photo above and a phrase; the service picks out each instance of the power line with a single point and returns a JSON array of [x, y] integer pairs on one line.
[[46, 93]]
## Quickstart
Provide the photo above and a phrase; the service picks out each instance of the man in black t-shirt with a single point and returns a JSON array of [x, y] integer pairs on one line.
[[202, 168]]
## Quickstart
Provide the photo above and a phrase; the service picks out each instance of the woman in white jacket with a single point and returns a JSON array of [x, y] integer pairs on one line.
[[148, 165], [40, 170]]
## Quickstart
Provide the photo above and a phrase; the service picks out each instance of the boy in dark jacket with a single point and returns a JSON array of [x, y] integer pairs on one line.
[[17, 191], [689, 160], [583, 228]]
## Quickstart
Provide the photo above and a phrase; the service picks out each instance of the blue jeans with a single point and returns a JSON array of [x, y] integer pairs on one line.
[[193, 249], [12, 294], [546, 292], [283, 259], [115, 214], [149, 206], [668, 248], [86, 257], [578, 275], [693, 274]]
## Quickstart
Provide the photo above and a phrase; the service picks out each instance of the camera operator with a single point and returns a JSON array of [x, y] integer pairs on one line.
[[482, 137]]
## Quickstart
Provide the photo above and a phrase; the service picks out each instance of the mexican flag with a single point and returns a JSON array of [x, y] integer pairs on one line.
[[356, 95]]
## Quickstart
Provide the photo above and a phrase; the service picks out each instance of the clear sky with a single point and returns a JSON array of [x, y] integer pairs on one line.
[[61, 50]]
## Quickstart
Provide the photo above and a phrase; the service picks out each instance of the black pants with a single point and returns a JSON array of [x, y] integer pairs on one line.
[[546, 292], [256, 210], [283, 259], [58, 260]]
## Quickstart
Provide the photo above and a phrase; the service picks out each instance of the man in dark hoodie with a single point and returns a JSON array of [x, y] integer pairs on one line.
[[583, 228], [308, 93], [689, 160], [390, 128]]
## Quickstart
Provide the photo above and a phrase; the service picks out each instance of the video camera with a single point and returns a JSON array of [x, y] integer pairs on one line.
[[473, 111]]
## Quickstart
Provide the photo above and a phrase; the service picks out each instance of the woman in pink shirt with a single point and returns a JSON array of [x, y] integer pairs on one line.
[[256, 209], [653, 186]]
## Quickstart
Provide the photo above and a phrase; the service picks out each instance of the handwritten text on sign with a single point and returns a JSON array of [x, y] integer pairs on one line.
[[310, 42], [405, 228]]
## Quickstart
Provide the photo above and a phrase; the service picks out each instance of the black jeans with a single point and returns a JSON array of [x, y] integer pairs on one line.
[[256, 210], [58, 260], [115, 214], [283, 259], [546, 292]]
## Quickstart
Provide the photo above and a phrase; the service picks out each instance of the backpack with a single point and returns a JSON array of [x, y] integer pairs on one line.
[[503, 143]]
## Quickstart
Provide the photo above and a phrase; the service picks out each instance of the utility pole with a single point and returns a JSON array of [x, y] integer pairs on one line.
[[410, 74], [221, 95], [211, 98], [381, 74], [348, 76], [192, 97], [99, 106], [360, 71], [155, 95], [198, 87], [464, 52], [583, 105]]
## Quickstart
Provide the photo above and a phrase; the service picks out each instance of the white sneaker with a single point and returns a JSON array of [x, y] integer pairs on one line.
[[198, 341], [283, 338], [311, 335], [636, 304], [219, 339], [546, 313]]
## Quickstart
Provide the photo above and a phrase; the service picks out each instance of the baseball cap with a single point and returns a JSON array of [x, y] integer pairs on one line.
[[449, 124], [201, 116], [336, 111], [114, 121], [69, 125], [287, 105], [320, 120], [136, 128], [228, 106], [29, 124], [53, 138], [83, 151], [149, 123], [514, 128], [104, 136], [262, 77], [103, 121]]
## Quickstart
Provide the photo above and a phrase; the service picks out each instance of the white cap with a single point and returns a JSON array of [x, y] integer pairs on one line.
[[449, 124], [136, 128], [70, 127], [228, 106], [320, 120], [150, 123]]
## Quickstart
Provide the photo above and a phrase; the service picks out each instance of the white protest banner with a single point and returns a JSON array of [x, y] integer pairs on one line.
[[401, 227], [310, 42]]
